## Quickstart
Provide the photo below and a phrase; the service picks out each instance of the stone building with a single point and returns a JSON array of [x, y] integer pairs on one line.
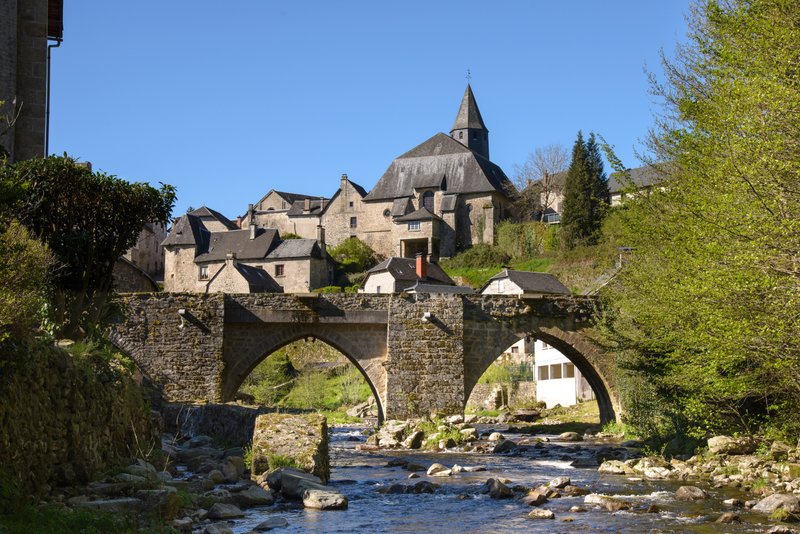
[[439, 197], [394, 275], [147, 253], [26, 26], [206, 252]]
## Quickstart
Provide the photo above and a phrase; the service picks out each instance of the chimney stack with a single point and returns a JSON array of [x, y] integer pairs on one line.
[[252, 213], [230, 258], [321, 239], [343, 181], [307, 205], [422, 266]]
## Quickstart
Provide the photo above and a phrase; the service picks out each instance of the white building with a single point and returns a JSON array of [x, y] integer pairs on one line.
[[558, 381]]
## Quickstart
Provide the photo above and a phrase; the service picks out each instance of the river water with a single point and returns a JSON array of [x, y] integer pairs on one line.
[[459, 506]]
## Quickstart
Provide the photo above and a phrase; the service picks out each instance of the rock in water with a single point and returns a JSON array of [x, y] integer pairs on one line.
[[778, 501], [570, 436], [728, 517], [272, 522], [498, 490], [324, 500], [224, 511], [691, 493], [439, 470], [300, 438], [542, 514]]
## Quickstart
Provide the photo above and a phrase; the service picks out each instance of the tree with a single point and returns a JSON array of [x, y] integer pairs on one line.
[[539, 182], [586, 196], [704, 317], [88, 220]]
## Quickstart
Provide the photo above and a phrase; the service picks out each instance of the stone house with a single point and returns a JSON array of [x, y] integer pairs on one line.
[[558, 381], [147, 253], [394, 275], [206, 252], [440, 196]]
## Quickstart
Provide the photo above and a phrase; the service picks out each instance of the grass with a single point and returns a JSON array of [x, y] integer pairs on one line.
[[55, 520], [477, 276], [580, 418], [274, 461], [339, 417]]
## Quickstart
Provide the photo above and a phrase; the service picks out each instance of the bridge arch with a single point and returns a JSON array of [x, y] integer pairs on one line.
[[576, 348], [242, 358]]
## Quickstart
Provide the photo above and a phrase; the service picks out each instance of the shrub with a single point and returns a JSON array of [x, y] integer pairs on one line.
[[353, 255], [479, 256]]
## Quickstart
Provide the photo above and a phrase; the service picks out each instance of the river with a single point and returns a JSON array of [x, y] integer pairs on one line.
[[460, 506]]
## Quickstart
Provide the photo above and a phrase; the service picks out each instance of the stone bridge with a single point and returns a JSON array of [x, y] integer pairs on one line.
[[419, 353]]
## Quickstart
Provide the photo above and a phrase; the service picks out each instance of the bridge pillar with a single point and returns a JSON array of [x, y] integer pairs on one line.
[[425, 356]]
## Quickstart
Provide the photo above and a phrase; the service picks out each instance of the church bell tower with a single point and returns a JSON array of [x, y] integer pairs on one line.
[[469, 129]]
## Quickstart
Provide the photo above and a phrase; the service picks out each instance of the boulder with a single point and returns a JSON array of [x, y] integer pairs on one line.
[[730, 445], [498, 490], [778, 501], [323, 499], [541, 514], [224, 511], [218, 528], [124, 504], [534, 498], [614, 467], [604, 501], [271, 523], [496, 436], [233, 468], [302, 438], [216, 476], [253, 496], [779, 451], [691, 493], [728, 517], [559, 482], [469, 434], [439, 470], [454, 419], [505, 445], [573, 491], [414, 440], [292, 482], [163, 501], [570, 436]]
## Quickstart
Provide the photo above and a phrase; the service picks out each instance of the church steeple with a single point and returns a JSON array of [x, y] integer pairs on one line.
[[469, 129]]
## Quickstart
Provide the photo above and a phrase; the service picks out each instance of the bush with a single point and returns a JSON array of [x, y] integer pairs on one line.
[[479, 256], [521, 240], [271, 380], [353, 255]]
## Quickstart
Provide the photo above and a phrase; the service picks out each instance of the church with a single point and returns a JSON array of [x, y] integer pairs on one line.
[[440, 197]]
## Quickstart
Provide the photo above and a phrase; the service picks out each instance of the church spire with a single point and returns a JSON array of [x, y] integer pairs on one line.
[[469, 129]]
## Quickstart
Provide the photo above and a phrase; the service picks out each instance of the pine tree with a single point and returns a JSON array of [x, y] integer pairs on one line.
[[586, 195]]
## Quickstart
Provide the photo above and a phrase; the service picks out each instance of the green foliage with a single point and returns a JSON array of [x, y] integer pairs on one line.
[[290, 235], [521, 240], [704, 318], [586, 195], [25, 266], [353, 255], [478, 256], [271, 380], [88, 220], [275, 461]]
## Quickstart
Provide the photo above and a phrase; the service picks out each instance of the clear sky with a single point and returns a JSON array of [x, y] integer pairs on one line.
[[227, 100]]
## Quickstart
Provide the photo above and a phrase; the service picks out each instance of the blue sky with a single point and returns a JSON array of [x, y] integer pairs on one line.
[[227, 100]]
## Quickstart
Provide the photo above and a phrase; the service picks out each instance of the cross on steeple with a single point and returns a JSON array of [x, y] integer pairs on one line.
[[468, 76]]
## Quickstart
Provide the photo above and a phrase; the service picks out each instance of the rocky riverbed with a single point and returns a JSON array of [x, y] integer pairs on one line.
[[501, 478]]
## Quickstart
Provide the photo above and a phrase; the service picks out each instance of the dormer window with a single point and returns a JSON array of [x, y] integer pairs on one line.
[[203, 273], [413, 226]]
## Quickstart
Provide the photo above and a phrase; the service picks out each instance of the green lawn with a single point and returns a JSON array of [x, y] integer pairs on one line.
[[477, 276]]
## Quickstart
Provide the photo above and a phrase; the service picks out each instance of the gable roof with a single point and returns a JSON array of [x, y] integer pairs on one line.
[[204, 211], [258, 280], [422, 214], [640, 177], [187, 230], [531, 282], [448, 203], [239, 242], [317, 205], [468, 116], [406, 269], [360, 190], [422, 287], [465, 171], [296, 248]]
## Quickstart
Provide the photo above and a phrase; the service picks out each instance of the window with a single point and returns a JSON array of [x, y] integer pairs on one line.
[[545, 346], [555, 371], [461, 135], [350, 203], [386, 213], [279, 270], [544, 372], [413, 226], [377, 289], [569, 370], [353, 222], [203, 272], [514, 350], [501, 285], [427, 200]]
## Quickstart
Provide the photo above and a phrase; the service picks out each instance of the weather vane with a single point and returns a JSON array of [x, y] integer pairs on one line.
[[469, 76]]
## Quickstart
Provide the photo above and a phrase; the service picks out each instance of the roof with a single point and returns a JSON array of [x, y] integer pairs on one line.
[[468, 116], [400, 206], [188, 230], [360, 190], [422, 214], [406, 269], [298, 208], [421, 287], [422, 181], [257, 278], [205, 211], [639, 177], [465, 171], [293, 197], [531, 282], [448, 203], [297, 248], [239, 242]]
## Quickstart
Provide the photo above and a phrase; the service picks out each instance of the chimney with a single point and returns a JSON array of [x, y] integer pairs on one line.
[[230, 259], [252, 214], [343, 182], [422, 266], [239, 221], [307, 205], [321, 239]]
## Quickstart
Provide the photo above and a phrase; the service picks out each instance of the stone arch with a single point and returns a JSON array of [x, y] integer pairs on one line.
[[357, 346], [580, 350]]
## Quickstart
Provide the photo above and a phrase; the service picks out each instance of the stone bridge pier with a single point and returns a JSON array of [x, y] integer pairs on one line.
[[419, 353]]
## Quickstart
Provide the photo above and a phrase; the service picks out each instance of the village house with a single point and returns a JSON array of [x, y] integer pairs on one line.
[[439, 197], [557, 379], [206, 252], [395, 275]]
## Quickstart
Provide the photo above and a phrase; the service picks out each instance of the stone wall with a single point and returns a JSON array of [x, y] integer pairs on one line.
[[64, 419], [128, 278], [492, 396], [425, 364]]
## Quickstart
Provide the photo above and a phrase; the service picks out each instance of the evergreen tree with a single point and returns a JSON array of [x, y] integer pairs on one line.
[[586, 195]]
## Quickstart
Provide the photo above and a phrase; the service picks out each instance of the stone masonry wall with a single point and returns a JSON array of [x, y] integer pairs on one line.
[[186, 362], [425, 362]]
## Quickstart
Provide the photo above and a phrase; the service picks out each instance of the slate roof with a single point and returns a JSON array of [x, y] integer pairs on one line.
[[258, 279], [406, 269], [422, 181], [292, 197], [316, 205], [465, 171], [468, 116], [640, 177], [360, 190], [422, 214], [239, 242], [531, 282], [205, 211], [296, 248], [188, 230], [421, 287], [400, 206], [448, 203]]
